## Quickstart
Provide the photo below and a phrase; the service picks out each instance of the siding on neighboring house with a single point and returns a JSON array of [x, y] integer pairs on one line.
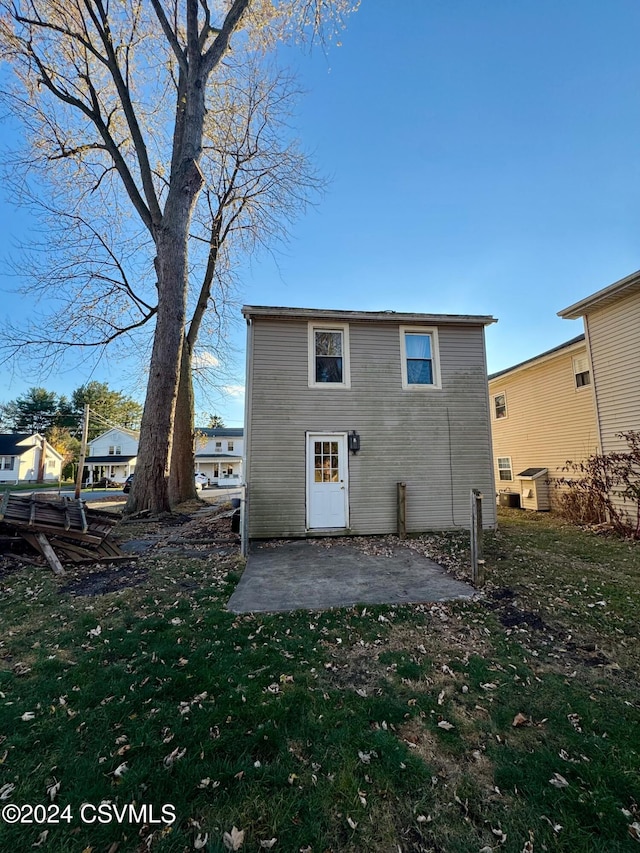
[[612, 325], [437, 441], [548, 420], [614, 338]]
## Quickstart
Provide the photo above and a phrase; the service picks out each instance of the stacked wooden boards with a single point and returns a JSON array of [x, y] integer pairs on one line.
[[61, 529]]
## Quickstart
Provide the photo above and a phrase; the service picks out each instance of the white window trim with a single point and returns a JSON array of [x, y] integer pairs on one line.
[[577, 358], [493, 407], [500, 479], [311, 349], [435, 357]]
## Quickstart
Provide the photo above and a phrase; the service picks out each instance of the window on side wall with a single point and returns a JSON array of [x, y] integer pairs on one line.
[[6, 462], [505, 471], [500, 406], [329, 356], [581, 371], [420, 358], [229, 445]]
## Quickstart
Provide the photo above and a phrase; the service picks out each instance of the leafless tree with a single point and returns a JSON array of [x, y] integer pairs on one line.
[[115, 97]]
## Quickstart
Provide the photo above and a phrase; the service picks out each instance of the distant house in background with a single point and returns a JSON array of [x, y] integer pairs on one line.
[[28, 458], [344, 405], [612, 328], [542, 414], [219, 452], [112, 455]]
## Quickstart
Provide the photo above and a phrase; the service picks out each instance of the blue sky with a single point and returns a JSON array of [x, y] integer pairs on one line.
[[484, 158]]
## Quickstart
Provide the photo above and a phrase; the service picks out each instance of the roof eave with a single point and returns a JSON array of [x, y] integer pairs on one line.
[[601, 297], [252, 311]]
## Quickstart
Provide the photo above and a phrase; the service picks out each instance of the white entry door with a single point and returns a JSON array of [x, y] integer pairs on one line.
[[327, 487]]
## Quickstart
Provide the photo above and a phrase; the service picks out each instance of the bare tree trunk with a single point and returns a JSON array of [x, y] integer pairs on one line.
[[149, 489], [181, 475]]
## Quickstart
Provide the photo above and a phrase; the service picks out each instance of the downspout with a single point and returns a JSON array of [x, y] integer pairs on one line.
[[585, 320], [246, 457]]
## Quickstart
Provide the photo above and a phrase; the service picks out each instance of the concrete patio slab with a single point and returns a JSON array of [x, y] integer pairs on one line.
[[308, 575]]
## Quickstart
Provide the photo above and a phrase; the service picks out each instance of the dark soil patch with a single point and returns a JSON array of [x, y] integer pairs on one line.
[[101, 580]]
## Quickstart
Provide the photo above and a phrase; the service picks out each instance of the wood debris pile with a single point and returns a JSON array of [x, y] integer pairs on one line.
[[61, 529]]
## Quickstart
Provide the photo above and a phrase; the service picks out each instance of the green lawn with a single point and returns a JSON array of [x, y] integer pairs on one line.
[[367, 729]]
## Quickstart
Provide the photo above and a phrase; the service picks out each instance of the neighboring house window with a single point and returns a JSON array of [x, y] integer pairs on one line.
[[329, 356], [7, 462], [229, 445], [581, 371], [505, 471], [115, 450], [500, 406], [218, 445], [420, 358]]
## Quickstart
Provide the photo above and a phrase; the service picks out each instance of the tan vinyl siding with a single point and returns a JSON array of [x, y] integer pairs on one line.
[[614, 339], [549, 420], [436, 441]]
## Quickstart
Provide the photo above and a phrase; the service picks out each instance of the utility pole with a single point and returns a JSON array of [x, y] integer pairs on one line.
[[83, 449]]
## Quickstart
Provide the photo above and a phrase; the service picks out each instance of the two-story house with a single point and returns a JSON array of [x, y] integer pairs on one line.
[[218, 455], [112, 455], [542, 415], [219, 452], [344, 405], [611, 319], [28, 459]]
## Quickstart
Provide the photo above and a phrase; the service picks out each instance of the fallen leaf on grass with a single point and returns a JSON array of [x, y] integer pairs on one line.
[[41, 838], [169, 760], [634, 830], [520, 720], [556, 827], [6, 791], [28, 716], [558, 781], [444, 724], [233, 840], [52, 791], [352, 823], [200, 841], [267, 844], [120, 770]]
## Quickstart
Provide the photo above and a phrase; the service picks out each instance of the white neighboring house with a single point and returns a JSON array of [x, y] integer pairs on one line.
[[112, 455], [28, 458], [219, 452]]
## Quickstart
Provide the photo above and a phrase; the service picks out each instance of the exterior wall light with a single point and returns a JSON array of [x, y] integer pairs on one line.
[[354, 441]]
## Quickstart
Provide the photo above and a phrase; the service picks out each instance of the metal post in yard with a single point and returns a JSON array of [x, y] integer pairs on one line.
[[402, 510], [477, 545]]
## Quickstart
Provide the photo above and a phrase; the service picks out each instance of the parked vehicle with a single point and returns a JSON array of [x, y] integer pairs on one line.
[[127, 484]]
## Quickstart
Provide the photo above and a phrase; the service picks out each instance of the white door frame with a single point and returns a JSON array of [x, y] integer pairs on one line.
[[341, 438]]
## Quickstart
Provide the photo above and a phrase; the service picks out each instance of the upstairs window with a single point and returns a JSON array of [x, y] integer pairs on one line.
[[500, 406], [115, 450], [329, 356], [581, 371], [420, 361], [229, 445], [218, 446]]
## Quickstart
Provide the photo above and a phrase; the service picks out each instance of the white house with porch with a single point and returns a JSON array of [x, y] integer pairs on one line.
[[219, 452], [112, 455], [218, 455]]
